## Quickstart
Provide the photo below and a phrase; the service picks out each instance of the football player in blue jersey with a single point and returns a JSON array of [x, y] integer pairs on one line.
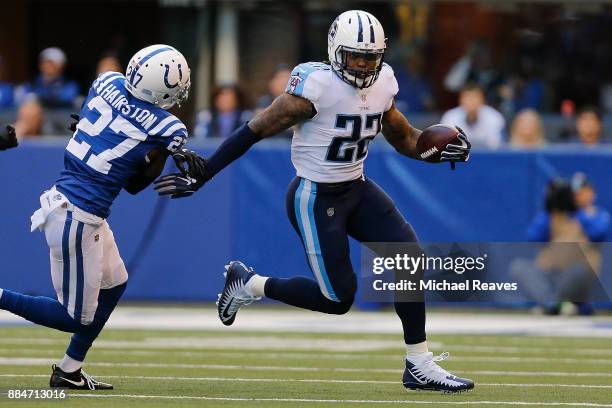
[[335, 110], [122, 139]]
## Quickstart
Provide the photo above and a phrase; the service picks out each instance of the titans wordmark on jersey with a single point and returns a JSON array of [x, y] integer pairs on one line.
[[332, 146], [113, 137]]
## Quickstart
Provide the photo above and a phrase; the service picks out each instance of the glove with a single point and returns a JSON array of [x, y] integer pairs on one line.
[[457, 153], [193, 175], [73, 126], [176, 185], [9, 139], [195, 165]]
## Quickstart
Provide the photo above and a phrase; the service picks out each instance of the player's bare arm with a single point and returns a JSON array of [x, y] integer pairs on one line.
[[285, 111], [399, 133]]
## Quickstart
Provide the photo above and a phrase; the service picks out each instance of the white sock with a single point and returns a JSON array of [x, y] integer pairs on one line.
[[256, 285], [69, 364], [416, 350]]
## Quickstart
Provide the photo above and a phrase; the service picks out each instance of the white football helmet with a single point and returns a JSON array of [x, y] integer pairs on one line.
[[159, 74], [356, 34]]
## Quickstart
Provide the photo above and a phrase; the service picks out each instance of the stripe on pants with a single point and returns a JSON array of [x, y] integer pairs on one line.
[[72, 292], [66, 259], [78, 307], [304, 210]]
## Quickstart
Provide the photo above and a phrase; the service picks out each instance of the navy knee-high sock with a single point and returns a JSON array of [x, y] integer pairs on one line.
[[304, 293], [40, 310], [412, 315], [81, 341]]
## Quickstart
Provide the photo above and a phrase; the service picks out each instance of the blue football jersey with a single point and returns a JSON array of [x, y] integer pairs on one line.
[[113, 137]]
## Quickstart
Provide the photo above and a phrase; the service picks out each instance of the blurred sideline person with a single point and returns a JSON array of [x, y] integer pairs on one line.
[[30, 119], [276, 87], [526, 130], [589, 127], [7, 90], [51, 88], [566, 269], [415, 93], [484, 124], [123, 136], [335, 110], [108, 62], [227, 113]]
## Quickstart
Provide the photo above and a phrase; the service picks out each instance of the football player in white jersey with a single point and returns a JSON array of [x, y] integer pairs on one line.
[[335, 110]]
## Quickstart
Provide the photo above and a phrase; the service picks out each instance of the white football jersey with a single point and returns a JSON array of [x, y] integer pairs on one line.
[[332, 146]]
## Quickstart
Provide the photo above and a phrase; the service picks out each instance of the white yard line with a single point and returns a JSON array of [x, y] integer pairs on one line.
[[307, 380], [43, 361], [339, 401]]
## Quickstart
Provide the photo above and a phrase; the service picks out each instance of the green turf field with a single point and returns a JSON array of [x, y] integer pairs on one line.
[[196, 368]]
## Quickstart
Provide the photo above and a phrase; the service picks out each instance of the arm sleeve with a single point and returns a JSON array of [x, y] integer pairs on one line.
[[232, 148]]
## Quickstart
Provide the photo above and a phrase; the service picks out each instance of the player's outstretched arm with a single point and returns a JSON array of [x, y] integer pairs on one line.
[[399, 133], [286, 110]]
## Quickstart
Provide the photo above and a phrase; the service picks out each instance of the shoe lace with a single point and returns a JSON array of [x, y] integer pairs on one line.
[[241, 301], [91, 382], [430, 369]]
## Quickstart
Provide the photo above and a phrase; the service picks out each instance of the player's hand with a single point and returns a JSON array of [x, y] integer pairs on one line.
[[73, 126], [8, 139], [454, 153], [177, 185], [192, 165]]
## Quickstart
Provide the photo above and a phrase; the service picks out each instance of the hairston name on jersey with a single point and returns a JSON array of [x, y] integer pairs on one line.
[[113, 95]]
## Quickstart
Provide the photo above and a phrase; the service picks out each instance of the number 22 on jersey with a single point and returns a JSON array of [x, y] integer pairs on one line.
[[359, 147]]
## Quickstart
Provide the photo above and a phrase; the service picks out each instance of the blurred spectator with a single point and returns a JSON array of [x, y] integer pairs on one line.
[[476, 66], [565, 269], [6, 89], [589, 127], [483, 124], [527, 130], [594, 220], [227, 113], [276, 86], [415, 93], [50, 87], [30, 119], [523, 90], [108, 62]]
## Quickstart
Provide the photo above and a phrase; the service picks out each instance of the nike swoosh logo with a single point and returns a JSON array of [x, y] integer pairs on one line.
[[78, 384], [225, 309]]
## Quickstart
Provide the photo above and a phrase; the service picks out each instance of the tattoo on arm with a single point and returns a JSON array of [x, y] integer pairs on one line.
[[399, 133], [286, 110]]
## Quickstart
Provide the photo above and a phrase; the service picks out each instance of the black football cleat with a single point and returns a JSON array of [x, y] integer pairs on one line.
[[235, 294], [424, 374], [76, 380]]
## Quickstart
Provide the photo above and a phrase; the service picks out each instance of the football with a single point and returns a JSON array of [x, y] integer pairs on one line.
[[434, 139]]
